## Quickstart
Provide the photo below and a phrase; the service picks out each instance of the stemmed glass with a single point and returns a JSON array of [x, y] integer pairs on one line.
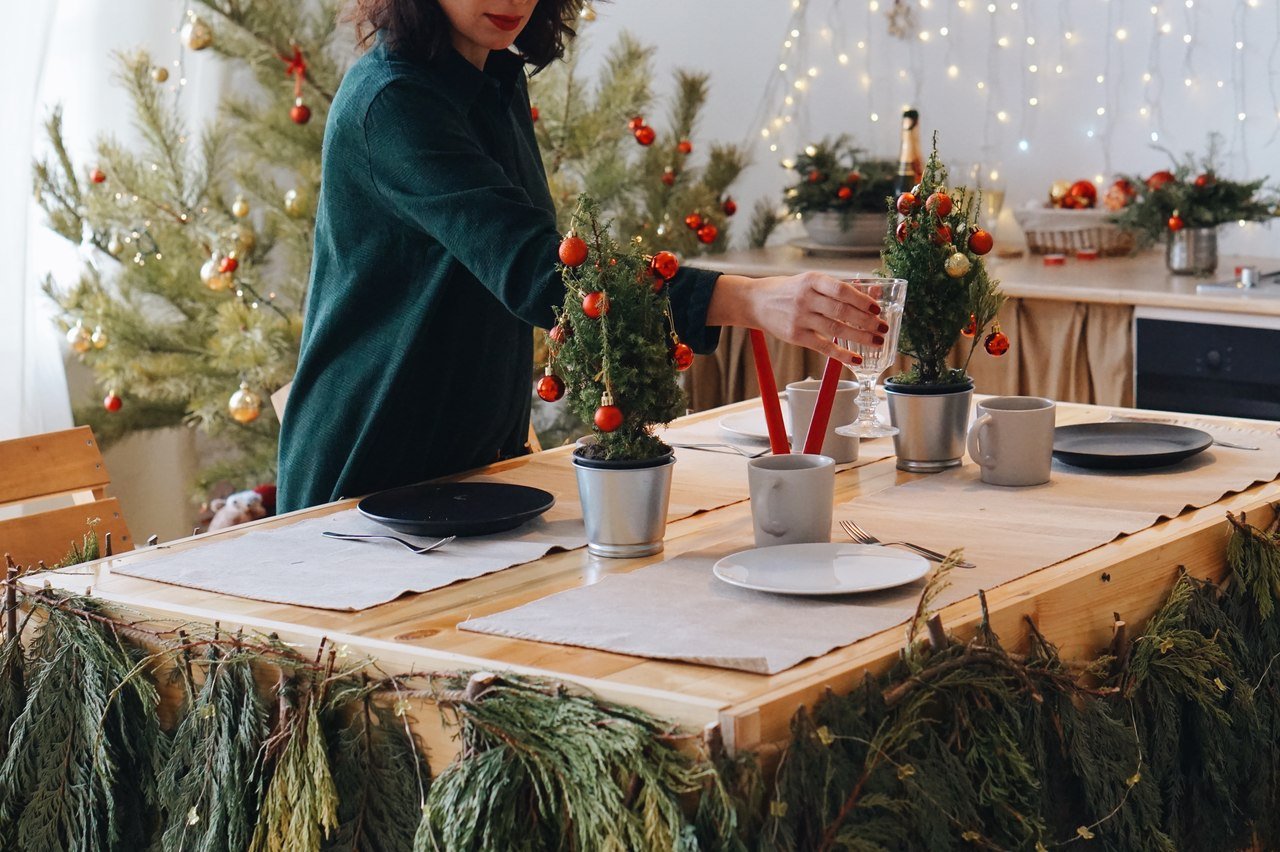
[[890, 294]]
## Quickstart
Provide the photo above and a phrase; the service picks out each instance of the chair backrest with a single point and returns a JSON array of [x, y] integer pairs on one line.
[[56, 464]]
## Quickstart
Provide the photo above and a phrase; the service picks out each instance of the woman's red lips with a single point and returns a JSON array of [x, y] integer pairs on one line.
[[507, 23]]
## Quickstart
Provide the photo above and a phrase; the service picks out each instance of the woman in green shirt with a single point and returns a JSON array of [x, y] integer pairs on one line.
[[435, 256]]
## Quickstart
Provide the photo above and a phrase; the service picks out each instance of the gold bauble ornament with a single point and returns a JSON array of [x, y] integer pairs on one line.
[[958, 265], [160, 74], [98, 338], [213, 277], [114, 246], [297, 203], [79, 338], [239, 207], [244, 405], [242, 237], [196, 34], [1058, 192]]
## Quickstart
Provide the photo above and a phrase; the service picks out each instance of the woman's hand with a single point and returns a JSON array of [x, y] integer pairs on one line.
[[811, 309]]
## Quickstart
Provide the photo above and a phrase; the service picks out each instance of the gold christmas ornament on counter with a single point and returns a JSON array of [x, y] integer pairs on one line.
[[1058, 192], [244, 405], [196, 34]]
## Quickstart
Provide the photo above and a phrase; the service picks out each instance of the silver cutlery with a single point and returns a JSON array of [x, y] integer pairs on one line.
[[363, 537], [1124, 418], [861, 536], [747, 454]]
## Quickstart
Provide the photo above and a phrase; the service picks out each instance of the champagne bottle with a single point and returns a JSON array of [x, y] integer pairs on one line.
[[910, 165]]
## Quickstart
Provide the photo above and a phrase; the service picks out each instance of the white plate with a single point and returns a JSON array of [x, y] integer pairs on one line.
[[821, 569], [750, 424]]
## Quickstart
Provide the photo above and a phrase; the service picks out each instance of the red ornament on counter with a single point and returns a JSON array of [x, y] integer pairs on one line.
[[1120, 195], [693, 221], [573, 250], [939, 204], [111, 402], [708, 233], [906, 203], [228, 264], [608, 418], [665, 265], [844, 193], [980, 241], [942, 236], [645, 135], [636, 122], [533, 113], [301, 113], [97, 175], [729, 207], [669, 176], [682, 355], [1081, 195], [595, 305], [1087, 254], [971, 329], [1055, 260], [685, 146], [550, 386], [1159, 179], [996, 343], [1175, 223]]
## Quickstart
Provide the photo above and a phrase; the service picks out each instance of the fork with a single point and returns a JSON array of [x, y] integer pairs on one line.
[[748, 454], [861, 536], [415, 548]]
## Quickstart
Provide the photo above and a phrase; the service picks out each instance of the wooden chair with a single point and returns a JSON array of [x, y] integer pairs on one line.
[[56, 464]]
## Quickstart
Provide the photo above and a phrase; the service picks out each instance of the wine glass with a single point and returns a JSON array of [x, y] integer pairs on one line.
[[890, 294]]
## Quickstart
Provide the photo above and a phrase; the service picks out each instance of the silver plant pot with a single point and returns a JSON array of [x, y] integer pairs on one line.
[[624, 508], [932, 426], [1192, 251], [866, 230]]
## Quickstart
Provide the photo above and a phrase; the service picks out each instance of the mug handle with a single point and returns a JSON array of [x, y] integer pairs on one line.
[[774, 529], [977, 437]]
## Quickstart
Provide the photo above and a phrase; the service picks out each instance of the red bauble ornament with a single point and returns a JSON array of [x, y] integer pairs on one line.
[[1081, 195], [595, 305], [853, 177], [111, 402], [1176, 223], [300, 114], [550, 386], [729, 207], [608, 418], [669, 176], [685, 146], [972, 328], [816, 176], [97, 176], [559, 333], [693, 221], [844, 193], [664, 265], [682, 355], [996, 343], [906, 203], [1205, 180], [228, 264], [573, 250], [645, 134], [939, 204], [1119, 195], [942, 236], [533, 113], [980, 242], [1159, 179], [708, 233], [903, 230], [636, 122]]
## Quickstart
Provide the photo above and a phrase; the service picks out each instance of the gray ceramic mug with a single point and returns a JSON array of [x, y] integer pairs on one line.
[[1012, 440], [802, 398], [792, 498]]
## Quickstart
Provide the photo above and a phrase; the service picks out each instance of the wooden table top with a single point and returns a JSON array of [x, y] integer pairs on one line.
[[1138, 280], [419, 631]]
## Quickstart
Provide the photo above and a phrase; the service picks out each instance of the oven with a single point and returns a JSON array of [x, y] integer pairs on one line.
[[1204, 362]]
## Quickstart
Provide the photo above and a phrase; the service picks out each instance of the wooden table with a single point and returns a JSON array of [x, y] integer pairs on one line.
[[1072, 602]]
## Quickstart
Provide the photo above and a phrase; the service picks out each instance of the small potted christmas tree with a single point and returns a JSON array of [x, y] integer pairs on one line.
[[937, 246], [614, 354], [840, 194]]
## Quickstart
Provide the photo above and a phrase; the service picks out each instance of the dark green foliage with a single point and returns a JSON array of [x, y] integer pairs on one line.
[[825, 167], [208, 783], [625, 353], [379, 771], [83, 755], [543, 768], [1198, 194], [939, 306], [764, 219]]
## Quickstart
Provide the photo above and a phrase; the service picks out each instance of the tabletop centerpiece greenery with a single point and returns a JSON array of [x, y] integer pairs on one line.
[[1184, 207], [839, 194], [614, 353], [936, 244]]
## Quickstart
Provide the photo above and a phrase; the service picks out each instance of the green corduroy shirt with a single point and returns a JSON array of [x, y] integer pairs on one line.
[[435, 255]]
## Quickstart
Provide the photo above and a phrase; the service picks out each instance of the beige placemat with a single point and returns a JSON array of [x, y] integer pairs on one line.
[[678, 610], [294, 564]]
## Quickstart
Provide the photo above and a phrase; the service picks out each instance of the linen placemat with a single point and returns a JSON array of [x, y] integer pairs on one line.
[[295, 564], [678, 610]]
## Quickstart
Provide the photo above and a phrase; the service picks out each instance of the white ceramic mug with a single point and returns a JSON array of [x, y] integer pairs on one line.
[[1012, 440], [802, 398], [791, 498]]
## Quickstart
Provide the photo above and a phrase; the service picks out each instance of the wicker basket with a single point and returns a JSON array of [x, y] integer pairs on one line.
[[1054, 231]]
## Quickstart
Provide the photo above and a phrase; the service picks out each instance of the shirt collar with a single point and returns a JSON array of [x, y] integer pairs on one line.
[[466, 83]]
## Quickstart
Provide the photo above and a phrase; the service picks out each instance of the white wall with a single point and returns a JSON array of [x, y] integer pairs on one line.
[[741, 43]]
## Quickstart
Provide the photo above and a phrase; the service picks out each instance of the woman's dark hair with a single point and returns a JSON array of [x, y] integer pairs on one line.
[[420, 28]]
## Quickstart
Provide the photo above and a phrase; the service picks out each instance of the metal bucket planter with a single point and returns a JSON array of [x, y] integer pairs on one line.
[[865, 230], [1192, 251], [624, 504], [932, 423]]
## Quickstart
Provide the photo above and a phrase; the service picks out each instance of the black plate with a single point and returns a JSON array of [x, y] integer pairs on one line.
[[456, 508], [1126, 446]]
